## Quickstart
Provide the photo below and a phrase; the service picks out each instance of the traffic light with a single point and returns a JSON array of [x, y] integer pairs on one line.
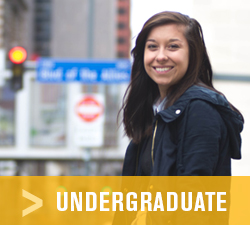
[[17, 56]]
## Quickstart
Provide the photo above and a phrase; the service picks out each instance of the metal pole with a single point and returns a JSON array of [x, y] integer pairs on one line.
[[90, 43], [91, 14], [91, 11]]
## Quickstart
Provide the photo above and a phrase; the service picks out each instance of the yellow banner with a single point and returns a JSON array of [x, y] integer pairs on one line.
[[124, 200]]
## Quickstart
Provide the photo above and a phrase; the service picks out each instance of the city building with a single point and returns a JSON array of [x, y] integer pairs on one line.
[[35, 123], [123, 29]]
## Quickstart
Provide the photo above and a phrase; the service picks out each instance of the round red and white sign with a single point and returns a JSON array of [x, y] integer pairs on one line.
[[89, 109]]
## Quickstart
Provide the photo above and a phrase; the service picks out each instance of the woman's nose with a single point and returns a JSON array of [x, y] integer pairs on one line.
[[161, 55]]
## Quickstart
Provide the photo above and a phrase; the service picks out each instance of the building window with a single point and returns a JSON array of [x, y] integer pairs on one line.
[[121, 25], [48, 114], [121, 40], [121, 55], [7, 115], [42, 29], [122, 11]]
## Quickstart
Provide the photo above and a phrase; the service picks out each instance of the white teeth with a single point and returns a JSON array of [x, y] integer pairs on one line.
[[162, 69]]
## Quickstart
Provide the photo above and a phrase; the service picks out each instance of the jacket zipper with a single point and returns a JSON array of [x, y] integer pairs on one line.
[[153, 143]]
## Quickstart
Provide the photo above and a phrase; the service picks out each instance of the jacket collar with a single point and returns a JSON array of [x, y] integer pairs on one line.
[[192, 93]]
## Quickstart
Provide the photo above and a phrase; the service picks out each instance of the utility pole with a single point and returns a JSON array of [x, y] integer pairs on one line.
[[91, 15]]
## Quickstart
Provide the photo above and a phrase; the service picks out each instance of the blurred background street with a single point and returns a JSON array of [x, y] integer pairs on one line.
[[41, 133]]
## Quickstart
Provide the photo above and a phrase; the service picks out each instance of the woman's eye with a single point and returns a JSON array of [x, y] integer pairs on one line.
[[174, 46], [152, 46]]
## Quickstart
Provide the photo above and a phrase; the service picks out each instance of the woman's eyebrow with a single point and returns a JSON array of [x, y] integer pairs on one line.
[[150, 40], [170, 40], [174, 39]]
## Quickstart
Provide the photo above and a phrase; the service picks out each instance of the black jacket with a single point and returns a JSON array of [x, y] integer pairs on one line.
[[197, 136]]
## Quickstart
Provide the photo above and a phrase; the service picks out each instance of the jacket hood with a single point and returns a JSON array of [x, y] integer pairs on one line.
[[232, 119]]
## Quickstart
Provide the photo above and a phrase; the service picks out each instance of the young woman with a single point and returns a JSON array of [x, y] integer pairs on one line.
[[178, 122]]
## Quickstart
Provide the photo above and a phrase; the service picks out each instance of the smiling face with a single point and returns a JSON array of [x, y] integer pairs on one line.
[[166, 55]]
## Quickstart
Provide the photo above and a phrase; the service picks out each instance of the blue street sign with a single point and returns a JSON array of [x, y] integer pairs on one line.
[[50, 70]]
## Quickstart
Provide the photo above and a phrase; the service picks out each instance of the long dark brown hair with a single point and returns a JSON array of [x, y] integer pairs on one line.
[[143, 91]]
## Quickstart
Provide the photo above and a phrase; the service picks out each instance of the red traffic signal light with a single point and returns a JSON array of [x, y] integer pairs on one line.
[[17, 55]]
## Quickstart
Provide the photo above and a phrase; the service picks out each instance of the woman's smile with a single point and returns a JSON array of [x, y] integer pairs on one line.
[[162, 69]]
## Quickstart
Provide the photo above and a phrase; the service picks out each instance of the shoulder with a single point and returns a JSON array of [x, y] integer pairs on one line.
[[201, 93], [199, 106], [208, 102], [201, 118], [195, 100], [201, 101], [202, 112]]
